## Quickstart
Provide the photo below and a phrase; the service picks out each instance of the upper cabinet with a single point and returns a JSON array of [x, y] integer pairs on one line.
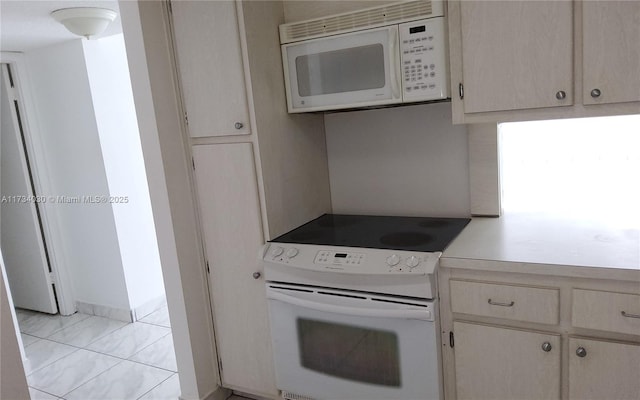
[[526, 60], [209, 53], [611, 51], [516, 55]]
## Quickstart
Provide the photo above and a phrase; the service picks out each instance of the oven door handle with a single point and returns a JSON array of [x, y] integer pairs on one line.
[[424, 315]]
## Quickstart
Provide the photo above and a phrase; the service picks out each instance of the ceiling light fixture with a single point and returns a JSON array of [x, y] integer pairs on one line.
[[85, 21]]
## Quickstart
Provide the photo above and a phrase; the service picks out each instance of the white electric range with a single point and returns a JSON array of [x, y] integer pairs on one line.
[[353, 307]]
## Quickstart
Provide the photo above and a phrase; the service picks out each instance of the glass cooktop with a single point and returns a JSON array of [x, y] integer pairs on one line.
[[423, 234]]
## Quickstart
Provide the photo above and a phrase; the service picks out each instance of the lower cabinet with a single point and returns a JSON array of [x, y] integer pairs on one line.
[[603, 370], [498, 363], [232, 230], [533, 336]]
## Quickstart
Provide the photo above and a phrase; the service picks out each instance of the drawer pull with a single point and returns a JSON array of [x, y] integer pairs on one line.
[[625, 314], [496, 303]]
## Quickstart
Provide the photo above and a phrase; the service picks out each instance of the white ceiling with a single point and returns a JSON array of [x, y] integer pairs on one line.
[[26, 24]]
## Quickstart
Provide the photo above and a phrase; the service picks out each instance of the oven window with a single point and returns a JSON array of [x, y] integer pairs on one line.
[[345, 70], [349, 352]]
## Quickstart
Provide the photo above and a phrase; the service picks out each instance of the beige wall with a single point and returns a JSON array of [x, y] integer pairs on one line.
[[406, 160]]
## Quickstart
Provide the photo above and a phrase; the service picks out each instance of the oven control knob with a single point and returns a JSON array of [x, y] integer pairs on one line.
[[413, 262], [393, 260], [276, 251], [292, 252]]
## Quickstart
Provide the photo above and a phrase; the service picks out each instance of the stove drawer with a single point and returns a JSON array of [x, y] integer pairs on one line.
[[518, 303], [606, 311]]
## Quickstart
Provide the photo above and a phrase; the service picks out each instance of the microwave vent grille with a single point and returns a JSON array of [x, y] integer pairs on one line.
[[357, 20]]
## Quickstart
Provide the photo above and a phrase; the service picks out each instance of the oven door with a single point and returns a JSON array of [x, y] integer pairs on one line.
[[350, 70], [336, 344]]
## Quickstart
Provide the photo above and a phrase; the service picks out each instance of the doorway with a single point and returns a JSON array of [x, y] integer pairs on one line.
[[124, 328]]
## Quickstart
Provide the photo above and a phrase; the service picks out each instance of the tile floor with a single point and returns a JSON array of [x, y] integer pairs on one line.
[[92, 358]]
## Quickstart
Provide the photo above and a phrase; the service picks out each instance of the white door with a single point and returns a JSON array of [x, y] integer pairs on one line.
[[22, 243]]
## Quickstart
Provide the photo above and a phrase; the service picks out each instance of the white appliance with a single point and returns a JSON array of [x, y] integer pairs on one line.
[[352, 317], [378, 56], [351, 344]]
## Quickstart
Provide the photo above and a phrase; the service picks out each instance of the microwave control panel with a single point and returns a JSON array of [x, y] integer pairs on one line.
[[424, 67]]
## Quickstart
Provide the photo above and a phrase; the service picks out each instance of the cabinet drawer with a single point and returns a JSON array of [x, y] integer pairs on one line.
[[518, 303], [604, 311]]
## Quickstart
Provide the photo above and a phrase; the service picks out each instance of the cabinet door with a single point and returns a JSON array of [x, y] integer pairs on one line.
[[495, 363], [207, 42], [603, 370], [611, 51], [231, 225], [516, 54]]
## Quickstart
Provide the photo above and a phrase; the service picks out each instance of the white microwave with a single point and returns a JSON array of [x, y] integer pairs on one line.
[[331, 66]]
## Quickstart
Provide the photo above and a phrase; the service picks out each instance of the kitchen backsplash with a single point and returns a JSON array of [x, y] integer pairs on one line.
[[406, 160]]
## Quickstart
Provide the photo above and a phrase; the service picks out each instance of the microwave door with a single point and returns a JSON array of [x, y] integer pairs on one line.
[[343, 71]]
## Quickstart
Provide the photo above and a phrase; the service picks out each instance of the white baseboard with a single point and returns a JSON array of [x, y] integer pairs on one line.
[[26, 363], [122, 314], [149, 307], [119, 314]]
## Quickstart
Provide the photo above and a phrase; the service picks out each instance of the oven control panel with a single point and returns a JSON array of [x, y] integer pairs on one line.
[[351, 260], [405, 273], [327, 257], [398, 263]]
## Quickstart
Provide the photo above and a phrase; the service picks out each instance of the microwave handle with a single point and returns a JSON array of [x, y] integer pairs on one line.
[[349, 310], [394, 59]]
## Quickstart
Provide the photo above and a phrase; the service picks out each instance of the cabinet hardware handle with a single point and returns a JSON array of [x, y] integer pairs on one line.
[[595, 93], [461, 91], [561, 95], [256, 275], [581, 352], [626, 314], [496, 303], [546, 346], [238, 125]]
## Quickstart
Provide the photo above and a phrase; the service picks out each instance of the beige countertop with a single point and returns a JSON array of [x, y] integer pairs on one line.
[[535, 243]]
